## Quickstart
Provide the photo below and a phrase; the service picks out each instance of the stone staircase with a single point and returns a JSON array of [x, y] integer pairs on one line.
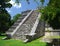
[[13, 27], [26, 27]]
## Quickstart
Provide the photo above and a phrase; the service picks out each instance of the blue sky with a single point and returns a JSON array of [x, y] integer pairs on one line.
[[23, 6]]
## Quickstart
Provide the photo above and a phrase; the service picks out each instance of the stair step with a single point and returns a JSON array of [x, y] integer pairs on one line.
[[10, 30], [27, 26], [21, 17], [31, 34], [24, 13], [12, 27], [26, 40], [15, 24], [24, 29], [5, 38], [18, 21]]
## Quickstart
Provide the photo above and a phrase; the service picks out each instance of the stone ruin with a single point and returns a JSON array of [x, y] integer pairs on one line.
[[27, 27]]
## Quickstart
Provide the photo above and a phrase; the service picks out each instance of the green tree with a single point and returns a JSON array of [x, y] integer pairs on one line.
[[15, 18], [5, 17], [51, 13]]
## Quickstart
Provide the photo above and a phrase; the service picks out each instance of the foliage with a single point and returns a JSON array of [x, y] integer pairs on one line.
[[5, 17], [4, 21], [51, 13], [13, 42], [15, 18], [4, 4]]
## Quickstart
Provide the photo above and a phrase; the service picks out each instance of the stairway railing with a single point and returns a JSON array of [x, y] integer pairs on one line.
[[35, 26]]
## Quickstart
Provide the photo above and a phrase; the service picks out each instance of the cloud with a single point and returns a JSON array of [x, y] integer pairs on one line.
[[9, 11], [15, 4], [12, 2]]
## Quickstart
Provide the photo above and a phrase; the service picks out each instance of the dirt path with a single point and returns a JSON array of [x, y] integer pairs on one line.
[[46, 37]]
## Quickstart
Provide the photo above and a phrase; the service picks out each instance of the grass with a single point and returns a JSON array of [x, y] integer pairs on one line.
[[54, 37], [13, 42]]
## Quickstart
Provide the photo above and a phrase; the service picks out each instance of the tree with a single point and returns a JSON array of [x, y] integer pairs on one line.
[[15, 18], [5, 17], [51, 13]]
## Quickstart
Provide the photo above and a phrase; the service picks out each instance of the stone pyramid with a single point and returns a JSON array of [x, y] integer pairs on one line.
[[27, 27]]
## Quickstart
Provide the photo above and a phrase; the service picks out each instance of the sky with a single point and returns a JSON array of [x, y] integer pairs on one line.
[[23, 6]]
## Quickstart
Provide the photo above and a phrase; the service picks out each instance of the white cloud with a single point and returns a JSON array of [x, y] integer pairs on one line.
[[15, 4], [12, 2], [9, 11]]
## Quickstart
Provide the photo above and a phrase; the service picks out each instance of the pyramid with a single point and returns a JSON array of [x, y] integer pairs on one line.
[[28, 27]]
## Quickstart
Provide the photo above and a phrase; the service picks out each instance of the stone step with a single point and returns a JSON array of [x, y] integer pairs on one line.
[[13, 27], [21, 17], [26, 40], [10, 30], [18, 21], [25, 13], [16, 24], [27, 26], [46, 40]]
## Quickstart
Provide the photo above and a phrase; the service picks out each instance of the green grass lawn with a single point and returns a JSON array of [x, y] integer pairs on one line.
[[13, 42]]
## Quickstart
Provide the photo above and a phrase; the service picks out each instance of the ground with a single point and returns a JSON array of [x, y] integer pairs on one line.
[[38, 42], [12, 42]]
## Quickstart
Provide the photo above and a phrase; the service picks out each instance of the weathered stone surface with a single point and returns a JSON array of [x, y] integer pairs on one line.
[[13, 27], [27, 25], [27, 31]]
